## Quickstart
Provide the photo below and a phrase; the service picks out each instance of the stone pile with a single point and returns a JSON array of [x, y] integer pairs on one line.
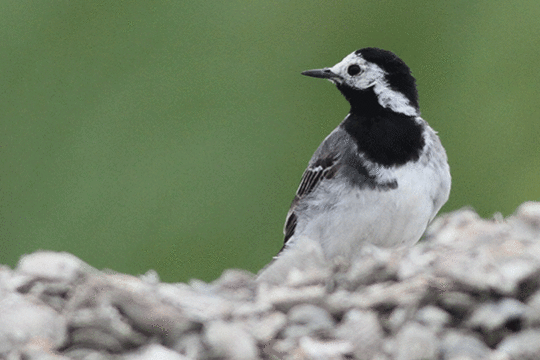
[[470, 290]]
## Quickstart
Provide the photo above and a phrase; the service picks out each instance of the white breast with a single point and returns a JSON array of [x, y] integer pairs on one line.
[[385, 218]]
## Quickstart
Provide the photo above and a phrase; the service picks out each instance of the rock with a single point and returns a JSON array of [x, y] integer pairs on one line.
[[191, 346], [230, 341], [387, 295], [372, 265], [523, 346], [363, 330], [294, 266], [154, 351], [416, 342], [202, 306], [284, 298], [433, 317], [498, 319], [266, 328], [528, 214], [307, 320], [52, 266], [24, 318], [461, 346], [311, 349], [457, 303], [235, 285], [533, 304]]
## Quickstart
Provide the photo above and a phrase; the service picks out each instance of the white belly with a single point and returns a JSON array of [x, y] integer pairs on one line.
[[384, 218]]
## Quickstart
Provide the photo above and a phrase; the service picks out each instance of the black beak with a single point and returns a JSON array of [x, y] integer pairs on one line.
[[325, 73]]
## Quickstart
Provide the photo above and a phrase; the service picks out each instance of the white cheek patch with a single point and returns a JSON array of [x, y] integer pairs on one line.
[[393, 100], [374, 76]]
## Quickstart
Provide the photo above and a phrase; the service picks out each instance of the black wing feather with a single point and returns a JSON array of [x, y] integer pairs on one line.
[[323, 168]]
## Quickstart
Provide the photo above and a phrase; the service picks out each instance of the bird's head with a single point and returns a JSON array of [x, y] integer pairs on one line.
[[371, 72]]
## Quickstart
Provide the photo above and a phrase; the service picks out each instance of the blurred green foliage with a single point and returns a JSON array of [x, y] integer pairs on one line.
[[173, 135]]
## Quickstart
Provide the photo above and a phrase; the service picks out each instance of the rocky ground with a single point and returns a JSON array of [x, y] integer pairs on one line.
[[470, 290]]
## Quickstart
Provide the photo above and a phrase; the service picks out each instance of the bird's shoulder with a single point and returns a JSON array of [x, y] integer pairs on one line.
[[327, 160]]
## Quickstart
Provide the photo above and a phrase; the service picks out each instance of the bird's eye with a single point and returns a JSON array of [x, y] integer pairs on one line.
[[353, 70]]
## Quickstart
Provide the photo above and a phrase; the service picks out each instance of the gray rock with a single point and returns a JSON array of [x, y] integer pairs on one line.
[[235, 284], [496, 320], [492, 316], [295, 265], [372, 265], [523, 346], [37, 349], [151, 316], [102, 328], [433, 317], [396, 319], [23, 318], [528, 214], [284, 298], [458, 303], [363, 330], [518, 276], [87, 354], [230, 341], [308, 320], [153, 351], [456, 345], [280, 348], [200, 306], [266, 327], [151, 277], [191, 346], [52, 266], [533, 304], [466, 270], [388, 295], [448, 229], [417, 260], [119, 312], [312, 349], [416, 342]]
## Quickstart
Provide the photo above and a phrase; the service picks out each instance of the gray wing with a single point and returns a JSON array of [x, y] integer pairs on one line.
[[324, 168], [324, 165]]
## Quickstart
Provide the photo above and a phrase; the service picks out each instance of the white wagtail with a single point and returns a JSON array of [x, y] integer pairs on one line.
[[382, 175]]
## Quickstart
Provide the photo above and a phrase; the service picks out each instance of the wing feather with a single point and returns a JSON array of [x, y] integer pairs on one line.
[[323, 168]]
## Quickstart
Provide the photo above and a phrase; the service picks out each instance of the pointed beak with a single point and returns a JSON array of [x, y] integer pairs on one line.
[[325, 73]]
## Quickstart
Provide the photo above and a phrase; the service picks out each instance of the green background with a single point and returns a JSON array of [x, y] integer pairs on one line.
[[173, 135]]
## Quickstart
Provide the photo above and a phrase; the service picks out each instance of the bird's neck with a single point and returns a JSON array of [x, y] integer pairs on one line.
[[384, 136], [362, 101]]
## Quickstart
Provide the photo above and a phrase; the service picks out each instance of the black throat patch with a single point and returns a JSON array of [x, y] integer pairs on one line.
[[384, 136]]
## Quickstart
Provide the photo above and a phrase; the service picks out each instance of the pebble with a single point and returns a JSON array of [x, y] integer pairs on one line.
[[22, 319], [154, 351], [496, 320], [230, 341], [523, 346], [307, 319], [363, 330], [416, 342], [457, 345], [433, 317]]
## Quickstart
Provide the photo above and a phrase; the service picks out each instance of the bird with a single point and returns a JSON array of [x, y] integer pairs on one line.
[[382, 175]]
